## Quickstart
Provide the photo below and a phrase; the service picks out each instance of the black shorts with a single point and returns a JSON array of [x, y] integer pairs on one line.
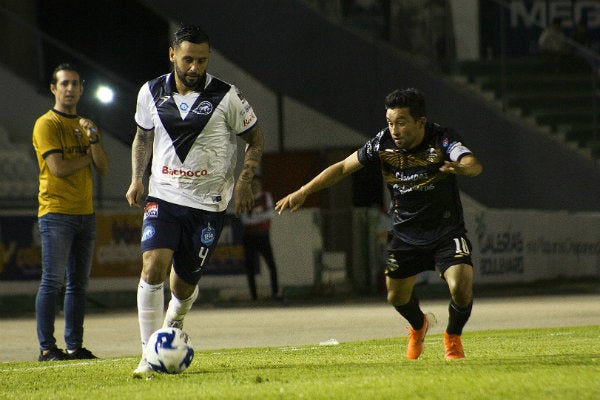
[[404, 260], [191, 233]]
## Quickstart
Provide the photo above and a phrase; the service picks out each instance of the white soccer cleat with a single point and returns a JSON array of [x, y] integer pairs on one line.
[[143, 370], [171, 323]]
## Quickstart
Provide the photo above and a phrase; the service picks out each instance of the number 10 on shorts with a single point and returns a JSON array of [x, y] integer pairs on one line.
[[462, 246]]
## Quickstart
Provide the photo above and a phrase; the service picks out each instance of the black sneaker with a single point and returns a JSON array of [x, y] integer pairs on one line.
[[54, 354], [80, 354]]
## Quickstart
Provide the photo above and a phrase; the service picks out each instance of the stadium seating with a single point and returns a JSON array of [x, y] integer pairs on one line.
[[18, 172], [557, 97]]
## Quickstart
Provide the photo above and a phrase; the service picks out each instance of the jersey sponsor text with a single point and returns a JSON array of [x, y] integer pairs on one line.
[[183, 172]]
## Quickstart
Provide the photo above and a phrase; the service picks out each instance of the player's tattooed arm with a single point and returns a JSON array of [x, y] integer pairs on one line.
[[141, 152], [253, 155], [243, 197]]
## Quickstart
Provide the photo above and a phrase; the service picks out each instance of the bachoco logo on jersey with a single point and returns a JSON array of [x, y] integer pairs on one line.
[[183, 172]]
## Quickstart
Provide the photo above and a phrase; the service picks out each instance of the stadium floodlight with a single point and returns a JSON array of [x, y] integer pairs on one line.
[[105, 94]]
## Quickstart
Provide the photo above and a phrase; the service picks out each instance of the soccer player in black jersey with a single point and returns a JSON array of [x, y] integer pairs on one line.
[[419, 161]]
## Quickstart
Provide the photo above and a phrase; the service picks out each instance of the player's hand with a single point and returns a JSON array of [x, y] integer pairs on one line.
[[293, 201], [452, 167], [134, 193], [243, 198], [468, 166]]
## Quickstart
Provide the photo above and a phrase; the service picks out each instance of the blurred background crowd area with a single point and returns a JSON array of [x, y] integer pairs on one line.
[[316, 72], [358, 46]]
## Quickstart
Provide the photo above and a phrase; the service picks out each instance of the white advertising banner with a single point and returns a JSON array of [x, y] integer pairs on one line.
[[518, 246]]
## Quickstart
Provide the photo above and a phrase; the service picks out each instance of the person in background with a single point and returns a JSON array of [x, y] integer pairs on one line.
[[419, 161], [552, 45], [188, 122], [68, 147], [257, 240]]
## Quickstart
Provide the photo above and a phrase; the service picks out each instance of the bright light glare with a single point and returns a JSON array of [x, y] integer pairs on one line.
[[105, 94]]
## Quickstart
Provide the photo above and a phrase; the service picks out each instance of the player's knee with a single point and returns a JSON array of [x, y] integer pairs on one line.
[[154, 273], [153, 278], [155, 265], [399, 291], [397, 297], [462, 302], [460, 284], [462, 295]]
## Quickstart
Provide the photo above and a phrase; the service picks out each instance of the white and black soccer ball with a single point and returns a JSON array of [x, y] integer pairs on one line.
[[169, 350]]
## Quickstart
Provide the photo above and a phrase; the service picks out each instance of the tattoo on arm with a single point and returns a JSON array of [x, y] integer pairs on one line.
[[254, 150], [247, 173], [141, 151]]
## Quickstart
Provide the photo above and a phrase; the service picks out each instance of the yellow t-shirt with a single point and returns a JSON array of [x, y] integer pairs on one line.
[[56, 132]]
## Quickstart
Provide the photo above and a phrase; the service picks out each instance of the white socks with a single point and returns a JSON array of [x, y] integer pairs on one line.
[[178, 309], [150, 303]]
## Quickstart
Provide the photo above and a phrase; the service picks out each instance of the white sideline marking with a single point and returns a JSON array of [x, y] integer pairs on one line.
[[58, 365]]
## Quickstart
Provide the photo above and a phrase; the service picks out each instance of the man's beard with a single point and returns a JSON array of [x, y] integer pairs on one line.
[[187, 83]]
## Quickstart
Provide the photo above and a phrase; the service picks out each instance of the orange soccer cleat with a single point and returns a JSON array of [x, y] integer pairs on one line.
[[416, 338], [453, 346]]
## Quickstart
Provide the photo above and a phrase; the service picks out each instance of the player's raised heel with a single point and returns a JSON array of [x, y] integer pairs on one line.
[[416, 338], [143, 370], [171, 323], [453, 346]]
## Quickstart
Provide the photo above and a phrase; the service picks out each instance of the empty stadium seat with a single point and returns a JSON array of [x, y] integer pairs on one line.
[[562, 101]]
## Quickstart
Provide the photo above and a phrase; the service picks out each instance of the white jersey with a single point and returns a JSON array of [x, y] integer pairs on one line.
[[195, 143]]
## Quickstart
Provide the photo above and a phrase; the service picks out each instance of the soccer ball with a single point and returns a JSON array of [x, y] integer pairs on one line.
[[169, 350]]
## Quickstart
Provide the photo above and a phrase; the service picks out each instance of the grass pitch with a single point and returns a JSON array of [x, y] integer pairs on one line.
[[557, 363]]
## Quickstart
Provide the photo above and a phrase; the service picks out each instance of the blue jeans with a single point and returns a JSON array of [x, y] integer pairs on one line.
[[67, 252]]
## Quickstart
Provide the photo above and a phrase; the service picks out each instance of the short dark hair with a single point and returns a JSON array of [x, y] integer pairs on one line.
[[190, 33], [63, 67], [410, 98]]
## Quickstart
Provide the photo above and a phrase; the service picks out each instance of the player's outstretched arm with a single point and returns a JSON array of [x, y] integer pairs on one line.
[[328, 177], [293, 201]]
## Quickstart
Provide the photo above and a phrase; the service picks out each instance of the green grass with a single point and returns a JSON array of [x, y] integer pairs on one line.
[[557, 363]]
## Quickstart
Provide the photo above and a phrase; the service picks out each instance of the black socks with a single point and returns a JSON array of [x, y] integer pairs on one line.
[[412, 312], [457, 318]]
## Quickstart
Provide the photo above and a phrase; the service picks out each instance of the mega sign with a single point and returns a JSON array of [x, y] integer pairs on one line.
[[524, 21]]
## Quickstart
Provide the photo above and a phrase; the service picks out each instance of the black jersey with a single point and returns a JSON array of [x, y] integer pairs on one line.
[[425, 204]]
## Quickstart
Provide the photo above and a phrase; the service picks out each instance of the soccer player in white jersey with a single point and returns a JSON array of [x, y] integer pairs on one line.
[[188, 122]]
